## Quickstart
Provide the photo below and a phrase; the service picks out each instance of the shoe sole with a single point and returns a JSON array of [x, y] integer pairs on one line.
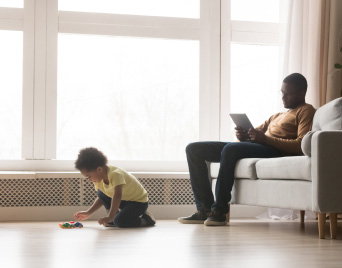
[[215, 223], [190, 221], [109, 225]]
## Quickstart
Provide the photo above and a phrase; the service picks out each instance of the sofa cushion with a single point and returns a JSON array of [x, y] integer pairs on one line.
[[244, 169], [284, 168], [327, 117]]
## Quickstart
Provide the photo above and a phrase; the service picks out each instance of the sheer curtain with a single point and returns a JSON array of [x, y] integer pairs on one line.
[[331, 43], [310, 47], [302, 44]]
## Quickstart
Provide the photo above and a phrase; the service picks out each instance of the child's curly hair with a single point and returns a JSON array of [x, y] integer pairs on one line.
[[89, 159]]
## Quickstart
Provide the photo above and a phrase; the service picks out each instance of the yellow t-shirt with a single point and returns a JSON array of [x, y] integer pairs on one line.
[[132, 190]]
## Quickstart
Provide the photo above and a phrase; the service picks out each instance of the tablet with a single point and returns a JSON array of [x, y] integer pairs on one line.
[[241, 120]]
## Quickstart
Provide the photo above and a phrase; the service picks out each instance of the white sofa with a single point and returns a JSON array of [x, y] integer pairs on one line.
[[311, 182]]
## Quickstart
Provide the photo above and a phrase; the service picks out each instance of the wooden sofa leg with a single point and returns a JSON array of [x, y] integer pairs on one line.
[[321, 225], [302, 216], [228, 214], [333, 225]]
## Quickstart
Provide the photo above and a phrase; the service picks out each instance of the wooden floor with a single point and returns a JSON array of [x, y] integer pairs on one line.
[[245, 243]]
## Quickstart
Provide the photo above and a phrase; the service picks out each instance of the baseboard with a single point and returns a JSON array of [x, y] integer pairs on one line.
[[174, 212]]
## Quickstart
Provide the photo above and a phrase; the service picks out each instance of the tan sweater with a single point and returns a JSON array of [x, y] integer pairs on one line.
[[285, 131]]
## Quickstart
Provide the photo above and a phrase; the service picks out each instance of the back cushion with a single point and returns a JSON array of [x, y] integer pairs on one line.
[[327, 117]]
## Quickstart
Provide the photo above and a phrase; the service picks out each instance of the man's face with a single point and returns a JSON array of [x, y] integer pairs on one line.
[[291, 97]]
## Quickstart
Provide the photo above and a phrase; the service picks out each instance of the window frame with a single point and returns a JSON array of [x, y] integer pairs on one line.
[[43, 21]]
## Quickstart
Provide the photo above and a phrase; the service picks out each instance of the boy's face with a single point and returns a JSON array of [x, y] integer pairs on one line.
[[93, 175]]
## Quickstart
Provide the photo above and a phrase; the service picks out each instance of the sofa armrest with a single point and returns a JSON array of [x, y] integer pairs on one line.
[[326, 171]]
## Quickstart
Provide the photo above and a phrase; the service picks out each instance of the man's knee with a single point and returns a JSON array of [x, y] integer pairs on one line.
[[190, 147], [231, 149]]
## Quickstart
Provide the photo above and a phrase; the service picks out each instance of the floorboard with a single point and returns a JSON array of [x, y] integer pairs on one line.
[[244, 243]]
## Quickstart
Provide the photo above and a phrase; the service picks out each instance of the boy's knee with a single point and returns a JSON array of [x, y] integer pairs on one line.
[[119, 221]]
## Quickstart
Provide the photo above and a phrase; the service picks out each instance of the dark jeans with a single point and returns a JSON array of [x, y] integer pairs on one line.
[[130, 211], [227, 154]]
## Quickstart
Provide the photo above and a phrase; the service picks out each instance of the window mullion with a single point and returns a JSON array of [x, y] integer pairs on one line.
[[39, 98], [28, 80], [51, 79], [209, 113], [225, 69]]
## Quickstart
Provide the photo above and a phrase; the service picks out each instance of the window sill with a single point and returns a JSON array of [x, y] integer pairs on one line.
[[67, 166]]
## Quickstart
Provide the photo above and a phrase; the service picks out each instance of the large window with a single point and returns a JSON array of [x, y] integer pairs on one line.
[[256, 93], [11, 70], [11, 63], [128, 78], [254, 60], [135, 98], [139, 79]]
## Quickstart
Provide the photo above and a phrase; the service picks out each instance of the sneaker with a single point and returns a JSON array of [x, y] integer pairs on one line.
[[148, 217], [197, 218], [216, 219]]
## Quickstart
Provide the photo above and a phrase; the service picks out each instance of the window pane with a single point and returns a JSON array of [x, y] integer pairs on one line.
[[11, 47], [133, 98], [12, 3], [254, 81], [252, 10], [165, 8]]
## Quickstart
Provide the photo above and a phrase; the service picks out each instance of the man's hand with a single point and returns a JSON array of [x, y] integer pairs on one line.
[[105, 220], [241, 134], [257, 135]]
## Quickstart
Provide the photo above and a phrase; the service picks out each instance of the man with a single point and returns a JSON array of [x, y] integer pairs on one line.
[[280, 135]]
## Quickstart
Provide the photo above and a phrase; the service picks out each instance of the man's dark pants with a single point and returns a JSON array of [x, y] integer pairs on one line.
[[227, 154]]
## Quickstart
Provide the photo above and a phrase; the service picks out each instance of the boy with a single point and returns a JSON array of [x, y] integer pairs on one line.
[[124, 198]]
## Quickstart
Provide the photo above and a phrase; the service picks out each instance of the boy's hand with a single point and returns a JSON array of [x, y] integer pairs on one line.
[[81, 215], [105, 220]]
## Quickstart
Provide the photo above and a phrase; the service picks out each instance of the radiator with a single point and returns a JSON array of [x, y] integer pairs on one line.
[[81, 192], [70, 192]]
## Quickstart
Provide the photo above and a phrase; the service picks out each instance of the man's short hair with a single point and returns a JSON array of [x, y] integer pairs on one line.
[[90, 159], [297, 80]]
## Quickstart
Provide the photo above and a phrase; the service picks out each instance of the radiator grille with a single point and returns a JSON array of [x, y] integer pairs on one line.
[[81, 192]]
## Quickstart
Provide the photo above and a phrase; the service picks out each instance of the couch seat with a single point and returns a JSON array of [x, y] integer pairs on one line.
[[280, 168], [245, 169], [284, 168]]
